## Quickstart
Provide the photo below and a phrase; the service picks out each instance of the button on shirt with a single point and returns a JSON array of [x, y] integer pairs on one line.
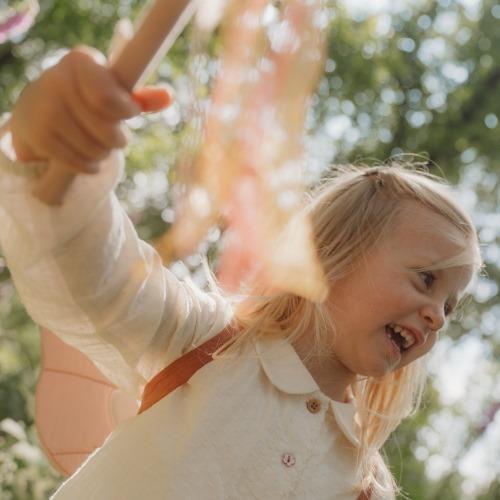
[[313, 405], [257, 427]]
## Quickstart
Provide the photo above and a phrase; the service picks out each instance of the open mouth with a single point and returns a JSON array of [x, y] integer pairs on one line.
[[402, 338]]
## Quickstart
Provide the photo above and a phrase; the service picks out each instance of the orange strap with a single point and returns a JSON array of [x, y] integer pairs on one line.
[[182, 369], [365, 495]]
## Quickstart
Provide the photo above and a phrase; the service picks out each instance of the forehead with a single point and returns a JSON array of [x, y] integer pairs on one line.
[[428, 232], [421, 237]]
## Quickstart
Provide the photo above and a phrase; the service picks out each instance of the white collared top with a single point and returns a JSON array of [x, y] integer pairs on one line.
[[253, 428]]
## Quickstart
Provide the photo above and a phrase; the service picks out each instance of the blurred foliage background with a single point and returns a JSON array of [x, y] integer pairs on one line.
[[420, 77]]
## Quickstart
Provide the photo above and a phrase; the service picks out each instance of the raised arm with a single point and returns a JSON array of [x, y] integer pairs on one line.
[[79, 268]]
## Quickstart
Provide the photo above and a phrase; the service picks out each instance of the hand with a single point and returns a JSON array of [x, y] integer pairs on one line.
[[73, 113]]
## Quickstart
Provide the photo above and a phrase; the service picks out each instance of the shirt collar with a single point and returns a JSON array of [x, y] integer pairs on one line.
[[345, 416], [283, 366], [287, 373]]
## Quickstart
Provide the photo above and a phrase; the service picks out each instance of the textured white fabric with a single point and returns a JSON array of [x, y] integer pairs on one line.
[[238, 430]]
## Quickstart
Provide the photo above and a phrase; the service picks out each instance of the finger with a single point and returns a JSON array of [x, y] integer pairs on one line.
[[105, 132], [152, 98], [100, 91], [58, 150], [80, 141], [22, 151], [92, 52]]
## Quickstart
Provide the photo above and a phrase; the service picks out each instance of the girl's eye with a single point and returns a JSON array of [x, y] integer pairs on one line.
[[428, 278]]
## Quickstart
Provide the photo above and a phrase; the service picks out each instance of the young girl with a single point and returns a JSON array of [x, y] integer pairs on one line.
[[300, 404]]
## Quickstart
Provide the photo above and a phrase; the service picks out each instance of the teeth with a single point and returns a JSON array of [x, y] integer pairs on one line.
[[409, 338]]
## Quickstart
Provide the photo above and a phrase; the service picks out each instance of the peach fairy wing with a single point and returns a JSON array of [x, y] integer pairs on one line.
[[76, 407], [243, 253], [249, 166], [273, 122]]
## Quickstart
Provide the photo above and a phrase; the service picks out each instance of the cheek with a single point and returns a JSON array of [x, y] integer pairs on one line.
[[398, 299]]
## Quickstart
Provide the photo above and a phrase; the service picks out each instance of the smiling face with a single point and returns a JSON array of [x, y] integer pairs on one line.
[[386, 288]]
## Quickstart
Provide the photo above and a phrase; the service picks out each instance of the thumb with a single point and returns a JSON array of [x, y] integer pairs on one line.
[[152, 98]]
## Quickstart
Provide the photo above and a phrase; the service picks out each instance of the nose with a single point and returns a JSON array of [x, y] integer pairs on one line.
[[434, 316]]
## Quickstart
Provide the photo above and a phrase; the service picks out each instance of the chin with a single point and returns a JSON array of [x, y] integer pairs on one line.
[[377, 370]]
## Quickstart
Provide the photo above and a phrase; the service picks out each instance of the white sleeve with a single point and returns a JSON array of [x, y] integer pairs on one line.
[[82, 272]]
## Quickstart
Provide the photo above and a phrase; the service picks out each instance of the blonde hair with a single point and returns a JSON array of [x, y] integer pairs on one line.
[[349, 213]]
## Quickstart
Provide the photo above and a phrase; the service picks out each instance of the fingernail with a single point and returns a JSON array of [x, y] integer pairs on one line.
[[154, 98]]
